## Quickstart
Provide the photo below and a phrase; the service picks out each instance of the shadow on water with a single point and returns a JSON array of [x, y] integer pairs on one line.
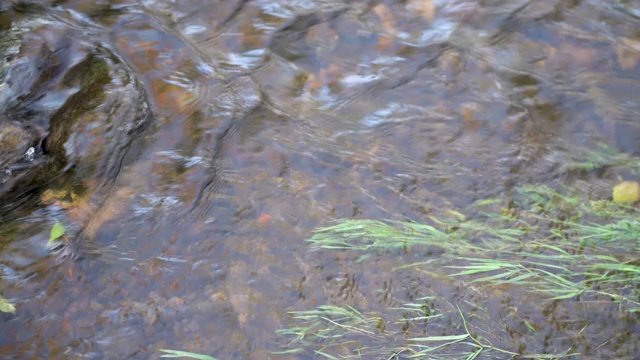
[[191, 148]]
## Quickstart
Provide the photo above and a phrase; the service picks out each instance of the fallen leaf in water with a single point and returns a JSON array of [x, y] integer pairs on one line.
[[264, 218], [6, 306], [57, 231], [627, 192]]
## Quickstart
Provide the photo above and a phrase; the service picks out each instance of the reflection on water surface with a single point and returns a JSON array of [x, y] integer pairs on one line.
[[191, 148]]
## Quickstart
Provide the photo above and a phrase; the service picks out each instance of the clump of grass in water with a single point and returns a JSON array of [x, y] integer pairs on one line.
[[332, 325], [557, 246], [602, 156], [560, 258], [344, 331]]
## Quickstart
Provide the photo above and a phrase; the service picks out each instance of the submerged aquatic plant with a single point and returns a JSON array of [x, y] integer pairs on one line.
[[184, 354], [559, 258], [602, 156], [346, 333], [551, 245]]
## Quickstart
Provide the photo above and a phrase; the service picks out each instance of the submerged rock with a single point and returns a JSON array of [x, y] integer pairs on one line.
[[16, 144], [70, 110]]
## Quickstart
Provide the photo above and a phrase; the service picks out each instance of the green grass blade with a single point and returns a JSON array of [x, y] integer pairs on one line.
[[184, 354]]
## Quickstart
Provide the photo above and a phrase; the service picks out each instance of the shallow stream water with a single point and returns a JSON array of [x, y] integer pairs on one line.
[[222, 133]]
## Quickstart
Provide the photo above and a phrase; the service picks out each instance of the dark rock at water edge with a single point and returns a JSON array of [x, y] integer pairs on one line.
[[54, 87]]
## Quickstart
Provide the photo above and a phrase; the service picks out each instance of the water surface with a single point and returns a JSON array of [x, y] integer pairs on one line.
[[219, 134]]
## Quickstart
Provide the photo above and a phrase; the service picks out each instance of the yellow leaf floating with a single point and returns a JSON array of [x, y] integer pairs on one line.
[[6, 306], [627, 192]]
